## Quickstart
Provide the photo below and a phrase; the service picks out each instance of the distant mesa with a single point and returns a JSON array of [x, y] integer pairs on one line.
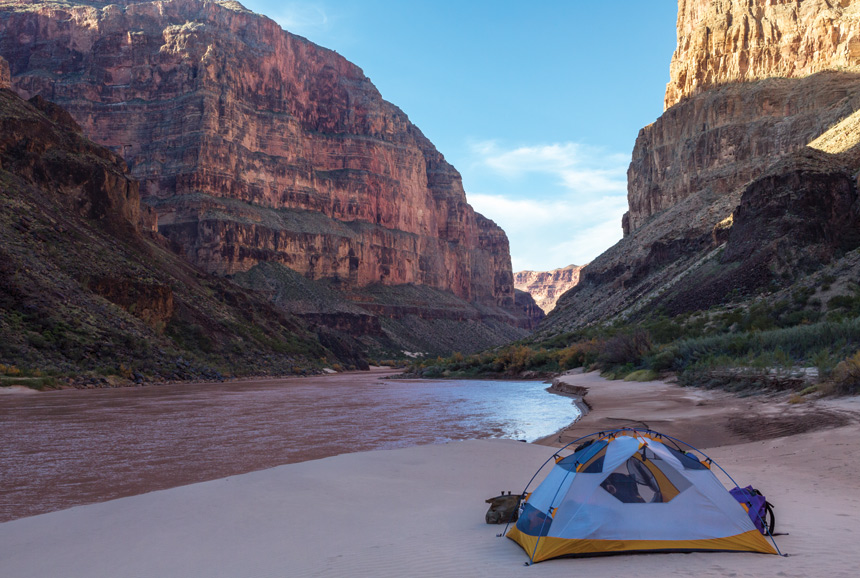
[[547, 286]]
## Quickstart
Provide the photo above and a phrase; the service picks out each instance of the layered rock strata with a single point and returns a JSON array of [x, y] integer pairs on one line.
[[256, 145], [743, 184], [721, 139], [727, 41], [725, 140], [85, 289], [547, 286]]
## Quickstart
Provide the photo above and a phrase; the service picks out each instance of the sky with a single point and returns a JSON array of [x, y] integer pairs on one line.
[[537, 104]]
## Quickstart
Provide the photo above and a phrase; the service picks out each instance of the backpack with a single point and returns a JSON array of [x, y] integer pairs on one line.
[[503, 508], [759, 509]]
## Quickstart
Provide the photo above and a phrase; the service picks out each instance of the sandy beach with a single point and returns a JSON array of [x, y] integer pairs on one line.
[[420, 511]]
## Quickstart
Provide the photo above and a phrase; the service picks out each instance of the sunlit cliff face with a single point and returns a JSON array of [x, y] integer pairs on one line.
[[725, 41], [256, 145]]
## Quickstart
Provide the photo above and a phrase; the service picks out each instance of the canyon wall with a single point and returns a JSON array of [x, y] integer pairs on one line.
[[93, 299], [547, 286], [727, 41], [758, 135], [721, 139], [724, 140], [255, 145]]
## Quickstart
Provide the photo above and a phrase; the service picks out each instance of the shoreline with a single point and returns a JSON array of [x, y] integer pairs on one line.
[[704, 418], [124, 384], [419, 511]]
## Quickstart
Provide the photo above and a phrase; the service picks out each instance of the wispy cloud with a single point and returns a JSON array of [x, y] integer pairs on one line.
[[547, 234], [577, 166], [306, 18], [559, 203]]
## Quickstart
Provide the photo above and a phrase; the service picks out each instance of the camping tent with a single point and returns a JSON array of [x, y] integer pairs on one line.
[[632, 491]]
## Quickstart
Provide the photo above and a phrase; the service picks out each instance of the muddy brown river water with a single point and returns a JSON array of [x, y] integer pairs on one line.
[[67, 448]]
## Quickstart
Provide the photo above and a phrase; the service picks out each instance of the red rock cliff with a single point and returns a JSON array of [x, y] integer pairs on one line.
[[257, 145]]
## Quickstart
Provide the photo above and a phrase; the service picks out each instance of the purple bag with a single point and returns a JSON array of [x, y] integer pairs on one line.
[[759, 509]]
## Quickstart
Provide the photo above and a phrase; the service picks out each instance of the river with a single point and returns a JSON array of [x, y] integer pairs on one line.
[[66, 448]]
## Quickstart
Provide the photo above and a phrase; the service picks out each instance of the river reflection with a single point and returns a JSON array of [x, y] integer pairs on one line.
[[68, 448]]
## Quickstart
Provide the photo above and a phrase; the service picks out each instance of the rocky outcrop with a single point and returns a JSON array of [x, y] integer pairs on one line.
[[150, 302], [49, 150], [728, 41], [790, 222], [255, 145], [5, 77], [720, 140], [547, 286], [529, 307]]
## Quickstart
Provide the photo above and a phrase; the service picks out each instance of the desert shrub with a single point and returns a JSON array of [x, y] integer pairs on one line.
[[845, 377], [663, 359], [578, 354], [9, 370], [624, 349], [543, 359], [641, 375], [618, 371], [802, 295], [825, 361], [850, 303], [517, 358], [31, 382], [799, 343], [664, 330]]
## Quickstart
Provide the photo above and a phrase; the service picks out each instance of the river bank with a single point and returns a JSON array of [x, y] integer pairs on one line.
[[419, 511], [704, 418]]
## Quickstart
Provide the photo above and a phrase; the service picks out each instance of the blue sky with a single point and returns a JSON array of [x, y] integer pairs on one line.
[[537, 104]]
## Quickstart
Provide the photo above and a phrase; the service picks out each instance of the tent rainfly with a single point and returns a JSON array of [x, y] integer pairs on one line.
[[632, 490]]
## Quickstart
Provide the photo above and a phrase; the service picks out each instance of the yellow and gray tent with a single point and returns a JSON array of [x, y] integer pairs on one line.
[[632, 491]]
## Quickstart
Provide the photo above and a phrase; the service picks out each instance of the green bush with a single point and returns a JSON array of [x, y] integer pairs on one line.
[[642, 375], [663, 359], [625, 349], [845, 378]]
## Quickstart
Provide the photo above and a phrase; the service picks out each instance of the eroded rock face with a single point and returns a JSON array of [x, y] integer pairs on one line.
[[5, 78], [48, 150], [257, 145], [547, 286], [82, 287], [151, 302], [727, 190], [726, 41], [741, 57], [722, 139], [789, 223]]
